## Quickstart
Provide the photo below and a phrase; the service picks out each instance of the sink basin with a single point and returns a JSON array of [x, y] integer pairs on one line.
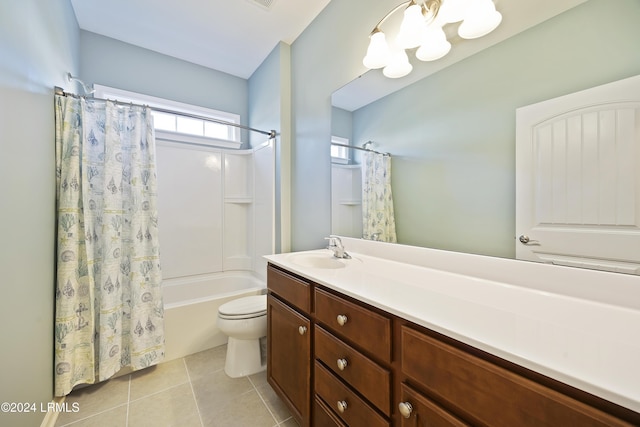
[[316, 261]]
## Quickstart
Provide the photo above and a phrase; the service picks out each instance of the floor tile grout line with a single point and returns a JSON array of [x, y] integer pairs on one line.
[[254, 382], [93, 415], [193, 392], [285, 420], [159, 391], [263, 401]]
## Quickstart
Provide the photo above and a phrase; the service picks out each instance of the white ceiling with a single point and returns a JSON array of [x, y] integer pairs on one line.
[[233, 36]]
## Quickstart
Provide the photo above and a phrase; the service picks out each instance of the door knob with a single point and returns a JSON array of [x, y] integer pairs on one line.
[[342, 406], [526, 240], [302, 330]]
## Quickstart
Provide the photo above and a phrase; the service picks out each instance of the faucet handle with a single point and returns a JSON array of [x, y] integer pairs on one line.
[[336, 239]]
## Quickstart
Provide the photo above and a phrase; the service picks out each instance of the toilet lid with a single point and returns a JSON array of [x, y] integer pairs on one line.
[[253, 305]]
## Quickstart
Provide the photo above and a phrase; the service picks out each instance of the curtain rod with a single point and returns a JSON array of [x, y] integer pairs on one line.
[[271, 133], [360, 148]]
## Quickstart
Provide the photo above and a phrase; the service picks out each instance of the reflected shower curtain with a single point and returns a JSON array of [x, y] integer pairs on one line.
[[109, 311], [378, 219]]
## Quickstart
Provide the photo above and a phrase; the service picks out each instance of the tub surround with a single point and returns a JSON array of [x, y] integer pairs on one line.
[[191, 305], [576, 326]]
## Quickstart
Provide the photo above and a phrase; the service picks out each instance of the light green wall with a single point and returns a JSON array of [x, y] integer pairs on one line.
[[110, 62], [453, 143], [270, 109], [327, 55], [342, 123], [38, 46], [452, 135]]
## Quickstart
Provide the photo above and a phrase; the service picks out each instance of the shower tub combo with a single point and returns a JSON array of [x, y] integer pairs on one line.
[[191, 307]]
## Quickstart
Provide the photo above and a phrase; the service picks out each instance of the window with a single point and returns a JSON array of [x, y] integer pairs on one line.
[[177, 127], [339, 154]]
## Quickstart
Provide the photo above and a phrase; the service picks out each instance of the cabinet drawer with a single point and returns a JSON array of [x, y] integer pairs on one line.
[[354, 411], [424, 412], [363, 327], [323, 416], [293, 289], [366, 376], [490, 394]]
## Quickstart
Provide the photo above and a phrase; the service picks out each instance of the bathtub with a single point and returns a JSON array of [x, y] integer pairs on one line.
[[191, 308]]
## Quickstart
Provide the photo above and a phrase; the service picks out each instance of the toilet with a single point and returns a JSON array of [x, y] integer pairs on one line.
[[244, 321]]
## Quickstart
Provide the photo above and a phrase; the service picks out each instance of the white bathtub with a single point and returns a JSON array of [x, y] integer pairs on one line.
[[191, 308]]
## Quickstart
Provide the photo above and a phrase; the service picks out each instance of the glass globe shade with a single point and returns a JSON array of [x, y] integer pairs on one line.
[[454, 10], [434, 45], [399, 66], [378, 51], [412, 28], [481, 20]]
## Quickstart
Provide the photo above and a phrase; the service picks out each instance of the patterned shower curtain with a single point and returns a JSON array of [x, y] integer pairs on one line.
[[109, 311], [378, 220]]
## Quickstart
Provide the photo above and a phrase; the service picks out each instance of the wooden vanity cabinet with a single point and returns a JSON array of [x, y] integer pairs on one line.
[[338, 362], [289, 342]]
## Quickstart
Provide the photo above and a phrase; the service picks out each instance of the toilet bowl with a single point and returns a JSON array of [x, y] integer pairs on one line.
[[244, 321]]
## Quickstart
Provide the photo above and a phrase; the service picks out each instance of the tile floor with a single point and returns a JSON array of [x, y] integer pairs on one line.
[[193, 391]]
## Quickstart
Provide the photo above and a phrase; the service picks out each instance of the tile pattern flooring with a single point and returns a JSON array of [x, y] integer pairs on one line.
[[193, 391]]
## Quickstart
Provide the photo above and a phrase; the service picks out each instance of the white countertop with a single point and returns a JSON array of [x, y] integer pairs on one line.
[[576, 339]]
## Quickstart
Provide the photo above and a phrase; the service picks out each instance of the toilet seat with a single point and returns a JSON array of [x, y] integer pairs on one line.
[[244, 308]]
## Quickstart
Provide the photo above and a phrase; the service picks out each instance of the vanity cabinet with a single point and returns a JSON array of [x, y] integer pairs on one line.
[[338, 362], [289, 331]]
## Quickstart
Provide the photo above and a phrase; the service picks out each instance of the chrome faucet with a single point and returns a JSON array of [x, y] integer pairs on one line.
[[335, 245]]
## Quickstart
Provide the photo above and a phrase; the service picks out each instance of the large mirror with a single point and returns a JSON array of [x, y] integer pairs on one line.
[[450, 127]]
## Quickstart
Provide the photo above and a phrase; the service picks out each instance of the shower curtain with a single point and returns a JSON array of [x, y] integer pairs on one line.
[[109, 311], [378, 220]]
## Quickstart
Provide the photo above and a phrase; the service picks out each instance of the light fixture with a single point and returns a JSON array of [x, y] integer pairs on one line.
[[422, 28]]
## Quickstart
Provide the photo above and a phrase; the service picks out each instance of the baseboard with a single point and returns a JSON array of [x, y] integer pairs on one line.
[[52, 416]]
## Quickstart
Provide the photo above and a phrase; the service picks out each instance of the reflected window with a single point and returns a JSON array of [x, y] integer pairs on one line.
[[339, 154]]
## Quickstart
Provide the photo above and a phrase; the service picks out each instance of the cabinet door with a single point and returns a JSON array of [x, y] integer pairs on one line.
[[289, 357], [488, 394]]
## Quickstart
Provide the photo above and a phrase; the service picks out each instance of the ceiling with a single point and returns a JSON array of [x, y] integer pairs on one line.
[[233, 36]]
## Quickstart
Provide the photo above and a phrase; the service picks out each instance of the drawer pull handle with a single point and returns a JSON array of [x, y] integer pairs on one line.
[[342, 364], [342, 406], [341, 319], [302, 330], [405, 409]]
